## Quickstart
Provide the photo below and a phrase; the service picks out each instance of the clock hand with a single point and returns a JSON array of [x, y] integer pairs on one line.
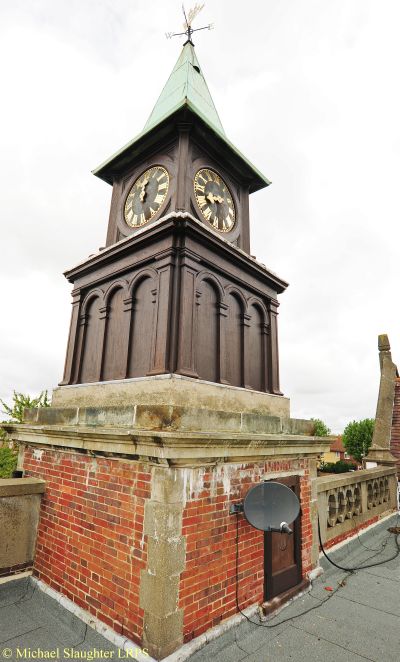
[[143, 191], [214, 198]]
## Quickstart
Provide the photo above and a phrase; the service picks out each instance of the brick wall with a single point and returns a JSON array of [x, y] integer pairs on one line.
[[208, 584], [90, 544], [395, 438], [92, 548]]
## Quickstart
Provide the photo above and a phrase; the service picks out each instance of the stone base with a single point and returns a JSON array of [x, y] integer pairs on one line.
[[171, 389], [140, 477], [382, 456]]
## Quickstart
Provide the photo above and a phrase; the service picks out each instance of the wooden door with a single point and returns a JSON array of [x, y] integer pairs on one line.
[[282, 552]]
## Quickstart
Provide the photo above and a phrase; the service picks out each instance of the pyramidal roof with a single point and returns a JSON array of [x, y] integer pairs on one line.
[[186, 86], [186, 89]]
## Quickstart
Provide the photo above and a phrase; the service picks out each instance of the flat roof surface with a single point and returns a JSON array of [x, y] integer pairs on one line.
[[33, 620], [358, 621]]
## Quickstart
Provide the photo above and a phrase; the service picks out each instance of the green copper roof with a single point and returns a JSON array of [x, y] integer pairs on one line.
[[186, 85], [185, 92]]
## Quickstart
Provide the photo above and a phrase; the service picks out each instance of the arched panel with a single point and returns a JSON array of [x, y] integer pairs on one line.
[[207, 333], [142, 330], [256, 349], [114, 366], [92, 345], [234, 342]]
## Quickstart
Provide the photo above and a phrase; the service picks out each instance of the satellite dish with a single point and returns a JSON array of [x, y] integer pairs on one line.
[[270, 506]]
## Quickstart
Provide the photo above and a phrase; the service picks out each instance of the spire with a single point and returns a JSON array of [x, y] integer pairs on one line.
[[186, 86]]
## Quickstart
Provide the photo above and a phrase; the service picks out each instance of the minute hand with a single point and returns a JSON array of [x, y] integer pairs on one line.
[[214, 198]]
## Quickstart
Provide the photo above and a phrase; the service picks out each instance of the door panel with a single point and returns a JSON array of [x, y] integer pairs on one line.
[[282, 552]]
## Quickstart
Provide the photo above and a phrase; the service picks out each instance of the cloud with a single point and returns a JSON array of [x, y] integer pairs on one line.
[[306, 90]]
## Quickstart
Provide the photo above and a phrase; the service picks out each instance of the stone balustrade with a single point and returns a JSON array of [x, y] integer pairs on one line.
[[349, 501]]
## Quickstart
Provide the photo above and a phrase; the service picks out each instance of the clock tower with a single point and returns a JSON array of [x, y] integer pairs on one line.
[[175, 291], [170, 407]]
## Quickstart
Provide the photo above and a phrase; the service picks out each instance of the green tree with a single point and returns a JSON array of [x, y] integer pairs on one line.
[[320, 429], [20, 401], [357, 437], [15, 412], [8, 461]]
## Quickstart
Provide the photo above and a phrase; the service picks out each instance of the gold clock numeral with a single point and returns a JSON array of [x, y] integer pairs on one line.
[[201, 199], [162, 186], [159, 198], [200, 188], [135, 219], [129, 215], [142, 219], [207, 213]]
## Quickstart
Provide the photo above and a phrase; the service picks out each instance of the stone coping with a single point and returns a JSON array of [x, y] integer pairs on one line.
[[325, 483], [20, 486], [171, 446]]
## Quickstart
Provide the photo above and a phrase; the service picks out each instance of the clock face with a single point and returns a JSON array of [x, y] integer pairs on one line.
[[214, 199], [146, 196]]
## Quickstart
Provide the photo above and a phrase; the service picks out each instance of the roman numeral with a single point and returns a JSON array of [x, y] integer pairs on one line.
[[135, 219], [162, 186], [201, 200], [207, 213], [129, 215], [142, 219], [158, 199], [200, 188]]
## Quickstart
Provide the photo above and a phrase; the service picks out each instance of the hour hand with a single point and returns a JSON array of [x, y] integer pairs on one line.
[[214, 198], [143, 191]]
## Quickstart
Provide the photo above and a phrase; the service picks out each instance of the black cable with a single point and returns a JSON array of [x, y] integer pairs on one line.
[[321, 602], [360, 567], [385, 540], [285, 620]]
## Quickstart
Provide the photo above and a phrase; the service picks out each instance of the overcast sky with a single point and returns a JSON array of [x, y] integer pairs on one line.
[[308, 90]]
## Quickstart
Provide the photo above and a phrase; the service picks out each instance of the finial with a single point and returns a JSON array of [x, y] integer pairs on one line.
[[192, 13], [383, 343]]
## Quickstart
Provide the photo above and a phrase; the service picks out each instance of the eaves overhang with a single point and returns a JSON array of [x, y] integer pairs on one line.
[[166, 128]]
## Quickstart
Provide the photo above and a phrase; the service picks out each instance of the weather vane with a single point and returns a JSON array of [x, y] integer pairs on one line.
[[189, 18]]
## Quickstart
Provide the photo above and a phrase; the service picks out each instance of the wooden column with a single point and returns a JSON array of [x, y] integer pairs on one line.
[[246, 349], [273, 308], [72, 340], [190, 300], [182, 188], [222, 311]]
